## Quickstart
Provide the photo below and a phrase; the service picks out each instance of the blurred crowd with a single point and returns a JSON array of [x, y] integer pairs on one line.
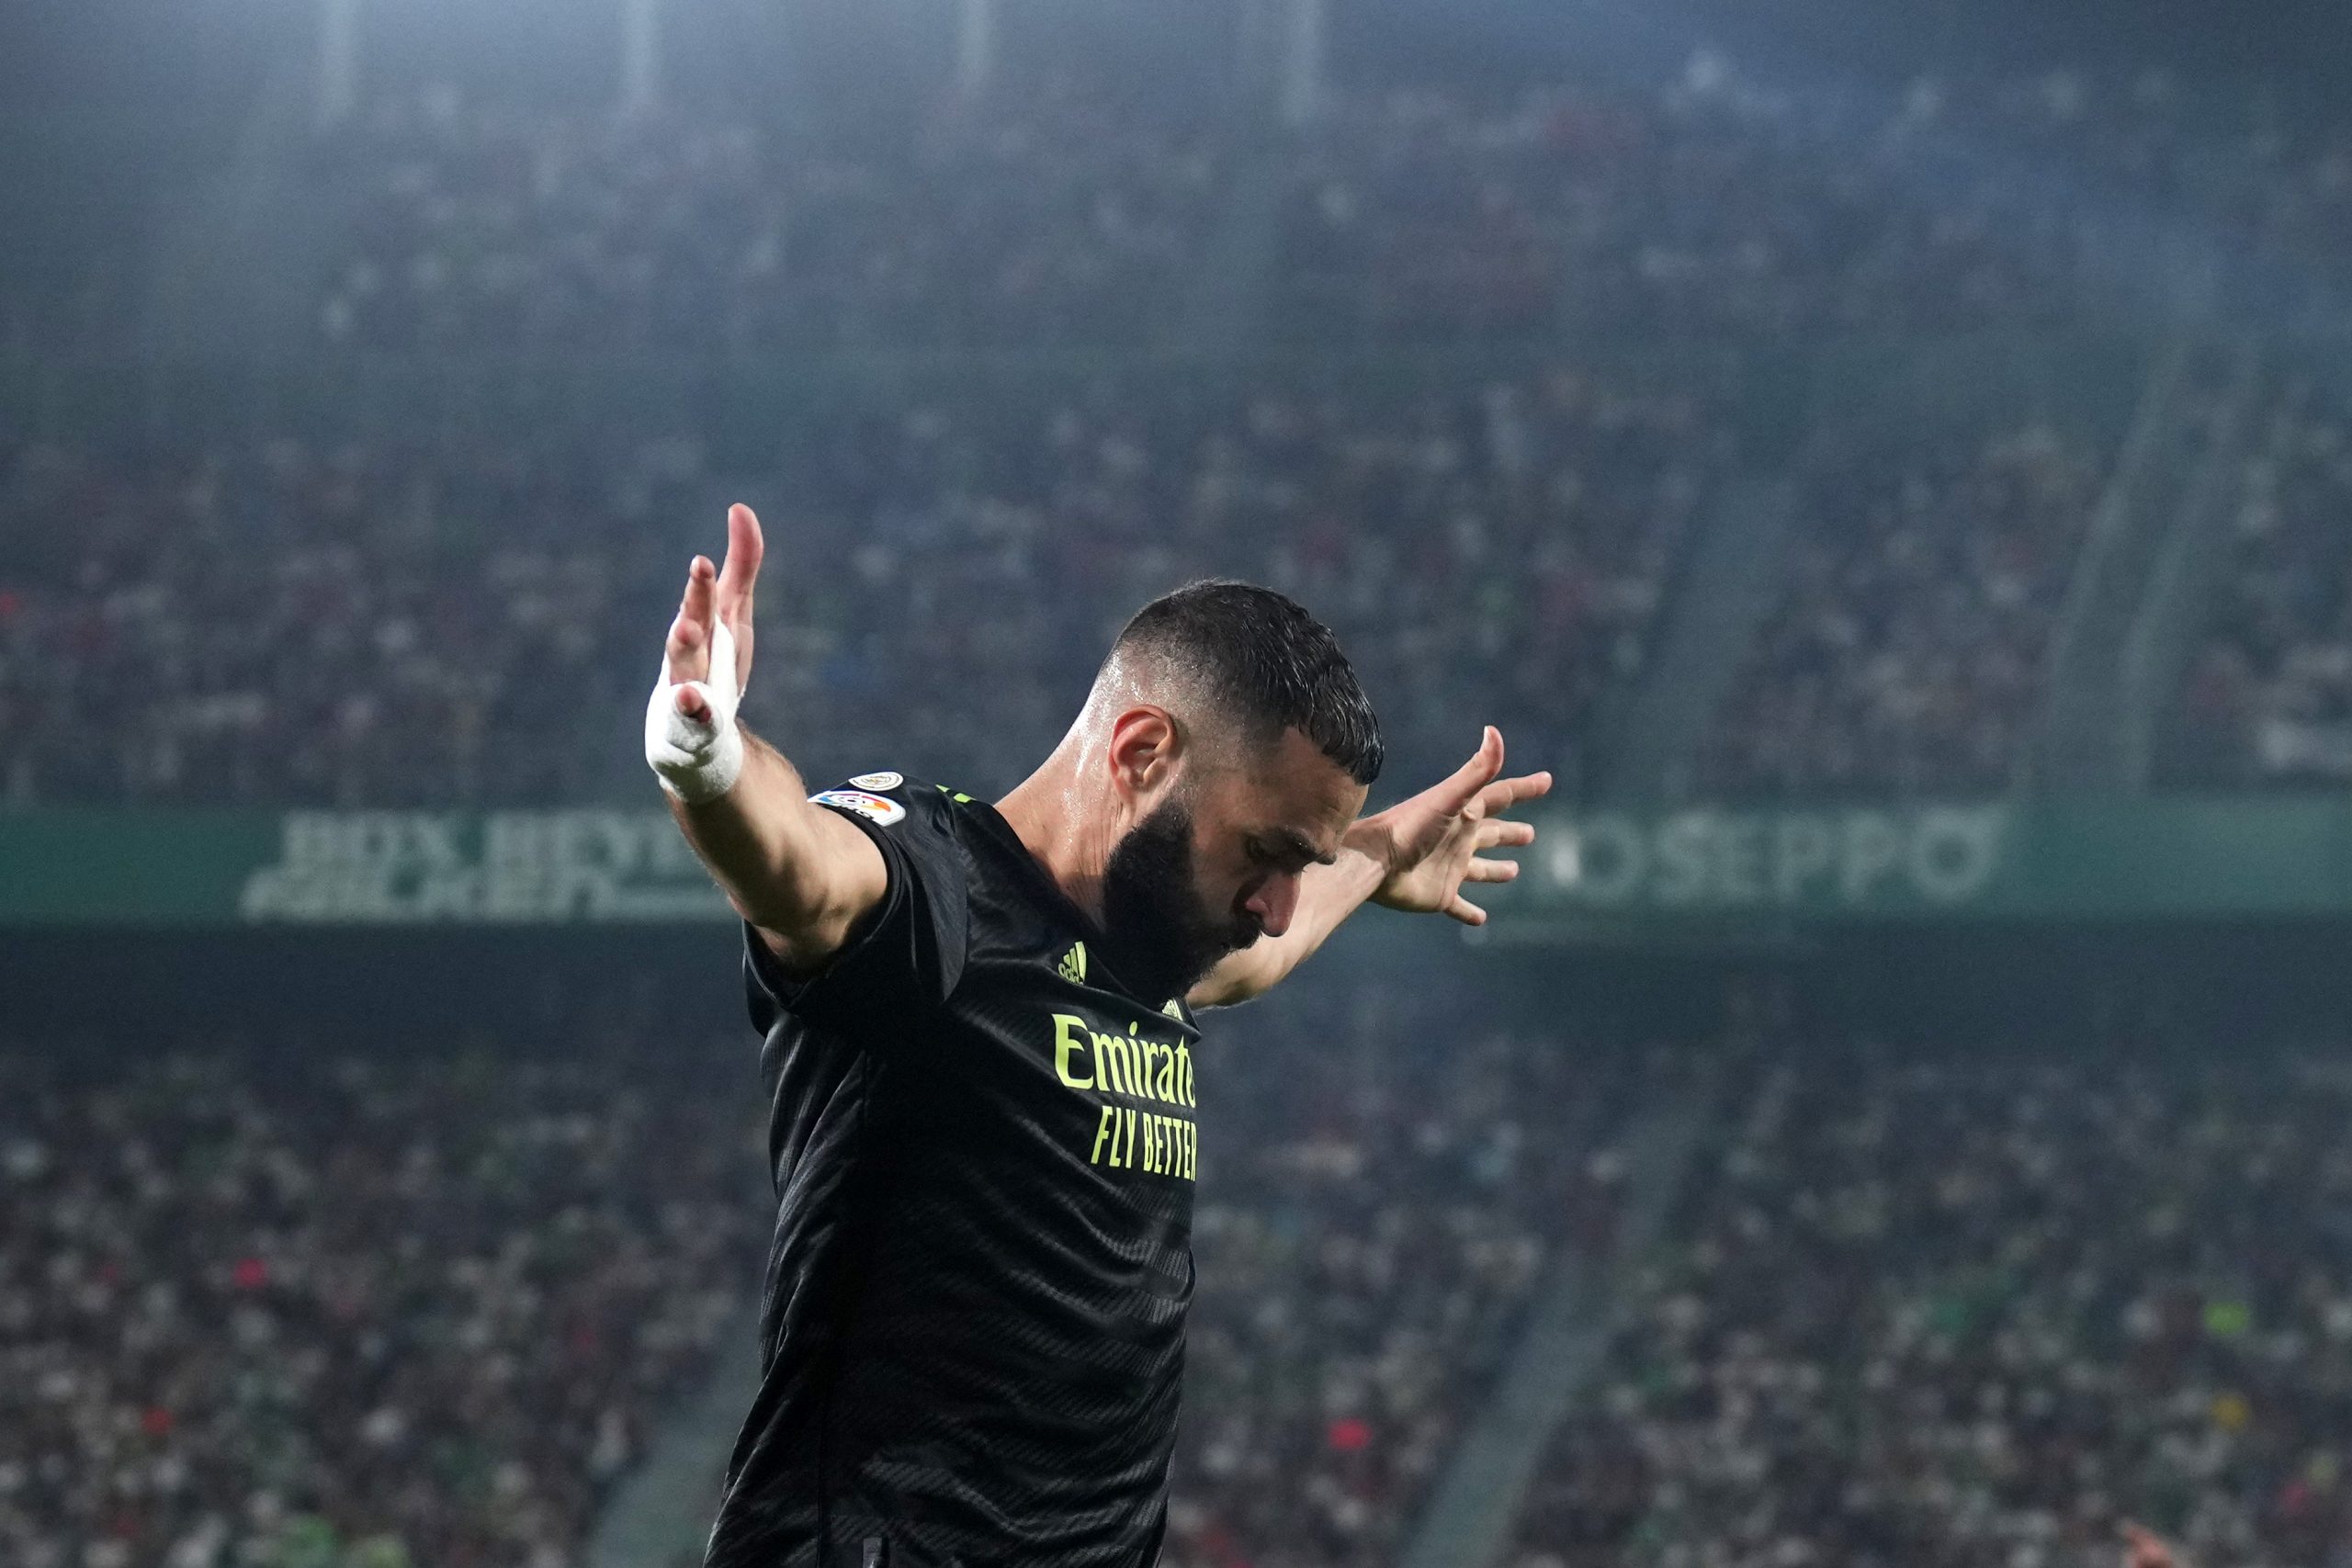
[[474, 619], [380, 625], [1717, 201], [1966, 1312], [1709, 206], [1729, 201], [347, 1310], [1909, 651], [352, 1309], [352, 1312], [366, 624], [1374, 1219], [393, 621], [485, 227], [2268, 694]]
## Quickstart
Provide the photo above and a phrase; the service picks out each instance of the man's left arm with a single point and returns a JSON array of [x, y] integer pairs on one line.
[[1414, 856]]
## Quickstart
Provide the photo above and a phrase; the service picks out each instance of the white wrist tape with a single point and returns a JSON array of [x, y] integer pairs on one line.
[[698, 760]]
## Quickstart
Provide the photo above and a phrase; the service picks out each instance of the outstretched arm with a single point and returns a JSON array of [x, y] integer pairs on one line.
[[1414, 856], [800, 874]]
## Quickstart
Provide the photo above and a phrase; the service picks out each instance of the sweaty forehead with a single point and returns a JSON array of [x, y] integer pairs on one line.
[[1290, 788]]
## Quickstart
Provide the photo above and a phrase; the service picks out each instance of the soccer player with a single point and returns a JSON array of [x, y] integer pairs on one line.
[[980, 1056]]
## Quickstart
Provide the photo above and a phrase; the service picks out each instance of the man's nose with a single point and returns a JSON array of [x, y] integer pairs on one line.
[[1274, 902]]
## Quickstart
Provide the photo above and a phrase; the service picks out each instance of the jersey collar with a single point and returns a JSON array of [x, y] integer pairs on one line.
[[1098, 941]]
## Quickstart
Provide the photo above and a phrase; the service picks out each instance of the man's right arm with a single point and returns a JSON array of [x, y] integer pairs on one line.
[[802, 875]]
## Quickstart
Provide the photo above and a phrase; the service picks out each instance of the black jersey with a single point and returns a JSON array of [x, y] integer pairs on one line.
[[973, 1329]]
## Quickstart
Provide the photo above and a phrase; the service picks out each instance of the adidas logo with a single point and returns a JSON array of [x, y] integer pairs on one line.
[[1174, 1010], [1073, 965]]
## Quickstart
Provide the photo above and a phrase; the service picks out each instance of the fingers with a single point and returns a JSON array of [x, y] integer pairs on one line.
[[1504, 794], [687, 656], [712, 596], [1476, 773], [1494, 834], [1461, 910], [746, 547]]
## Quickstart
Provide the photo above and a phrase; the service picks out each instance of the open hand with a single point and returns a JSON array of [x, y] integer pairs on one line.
[[715, 597], [692, 741], [1434, 843]]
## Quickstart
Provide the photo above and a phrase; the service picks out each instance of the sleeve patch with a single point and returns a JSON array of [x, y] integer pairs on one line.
[[870, 806], [883, 780]]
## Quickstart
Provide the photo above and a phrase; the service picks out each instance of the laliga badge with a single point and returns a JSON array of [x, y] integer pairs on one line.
[[870, 806]]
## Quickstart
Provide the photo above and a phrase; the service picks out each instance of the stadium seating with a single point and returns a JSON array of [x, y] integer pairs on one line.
[[1909, 651], [356, 626], [2267, 699], [1963, 1307], [354, 1310], [1706, 208], [1717, 201], [1374, 1217], [348, 1310], [493, 227]]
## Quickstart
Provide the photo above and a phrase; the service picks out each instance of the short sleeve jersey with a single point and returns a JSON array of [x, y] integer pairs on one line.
[[982, 1143]]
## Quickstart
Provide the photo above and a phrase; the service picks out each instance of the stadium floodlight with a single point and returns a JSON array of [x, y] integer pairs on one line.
[[338, 83], [975, 46], [640, 54], [337, 86]]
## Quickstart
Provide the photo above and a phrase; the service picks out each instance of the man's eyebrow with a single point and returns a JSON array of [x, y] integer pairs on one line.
[[1299, 847]]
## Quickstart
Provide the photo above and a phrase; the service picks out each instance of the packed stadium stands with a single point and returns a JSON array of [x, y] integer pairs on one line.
[[1707, 207], [1912, 1307], [495, 228], [347, 1309], [283, 624], [1714, 207], [2269, 696], [1909, 654], [1373, 1224], [351, 1309], [276, 623], [1714, 202], [1922, 1307]]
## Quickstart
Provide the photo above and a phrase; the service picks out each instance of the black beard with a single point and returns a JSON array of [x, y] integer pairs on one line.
[[1161, 938]]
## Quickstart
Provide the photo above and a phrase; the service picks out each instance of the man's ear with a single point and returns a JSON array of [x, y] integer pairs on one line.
[[1143, 752]]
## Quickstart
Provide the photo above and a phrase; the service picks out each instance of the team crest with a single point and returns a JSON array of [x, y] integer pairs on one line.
[[872, 806], [1073, 965], [883, 780]]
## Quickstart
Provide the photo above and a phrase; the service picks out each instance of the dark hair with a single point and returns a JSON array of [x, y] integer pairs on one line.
[[1261, 658]]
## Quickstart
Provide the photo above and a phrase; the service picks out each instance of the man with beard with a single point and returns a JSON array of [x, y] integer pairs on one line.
[[980, 1032]]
